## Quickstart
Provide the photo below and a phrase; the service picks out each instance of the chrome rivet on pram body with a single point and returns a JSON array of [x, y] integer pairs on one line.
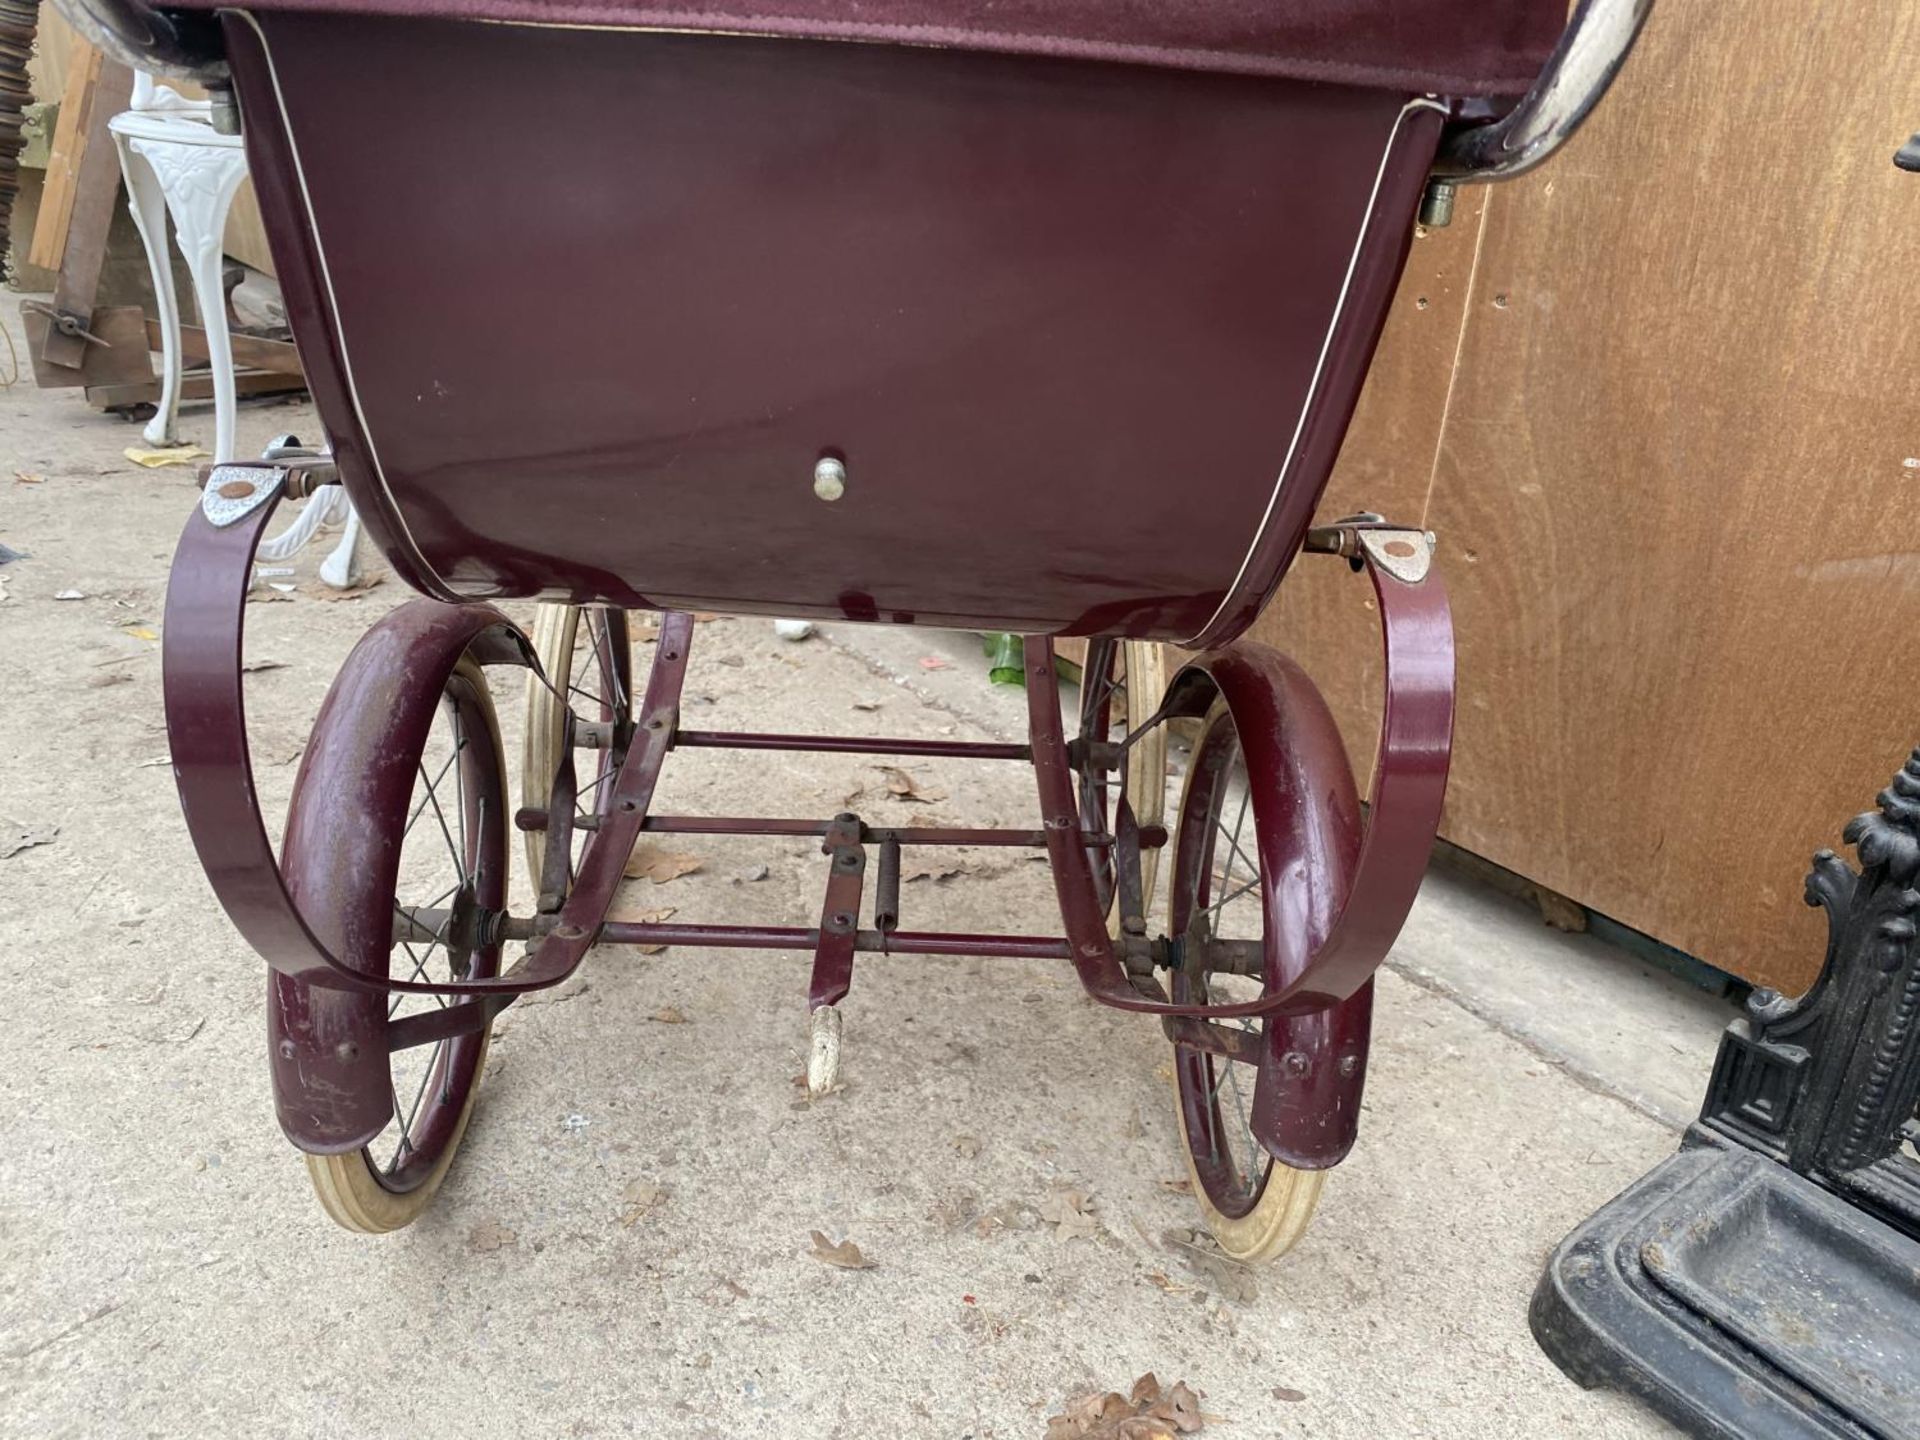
[[829, 478]]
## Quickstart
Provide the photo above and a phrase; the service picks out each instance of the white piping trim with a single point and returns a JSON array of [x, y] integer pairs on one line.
[[333, 307], [1319, 365]]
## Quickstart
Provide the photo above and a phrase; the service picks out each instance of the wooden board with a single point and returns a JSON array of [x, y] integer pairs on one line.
[[71, 134], [1323, 614], [1679, 482], [1676, 476]]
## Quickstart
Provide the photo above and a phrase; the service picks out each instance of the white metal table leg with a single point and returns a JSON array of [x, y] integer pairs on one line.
[[199, 182], [148, 206]]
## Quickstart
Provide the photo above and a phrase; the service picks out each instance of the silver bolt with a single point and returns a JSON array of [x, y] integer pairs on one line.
[[829, 478]]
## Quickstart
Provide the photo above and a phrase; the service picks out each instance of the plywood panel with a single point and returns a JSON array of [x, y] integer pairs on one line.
[[1679, 487], [1323, 614]]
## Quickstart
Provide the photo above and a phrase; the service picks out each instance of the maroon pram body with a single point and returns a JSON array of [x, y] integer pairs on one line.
[[1044, 318], [584, 308]]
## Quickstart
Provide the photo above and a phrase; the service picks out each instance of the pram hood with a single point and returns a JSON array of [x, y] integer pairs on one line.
[[1448, 47]]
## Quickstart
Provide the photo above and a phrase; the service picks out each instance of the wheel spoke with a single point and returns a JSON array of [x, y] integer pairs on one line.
[[413, 1112], [440, 815], [421, 808]]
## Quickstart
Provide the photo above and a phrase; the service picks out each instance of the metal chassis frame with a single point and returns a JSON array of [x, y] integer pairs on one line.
[[1317, 992]]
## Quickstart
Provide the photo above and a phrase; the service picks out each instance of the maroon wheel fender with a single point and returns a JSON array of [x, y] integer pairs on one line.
[[327, 1017], [1335, 903], [1308, 827], [418, 646]]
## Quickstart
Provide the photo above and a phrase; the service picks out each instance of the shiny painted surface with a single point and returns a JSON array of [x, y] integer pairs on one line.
[[391, 683], [329, 1047], [1059, 319]]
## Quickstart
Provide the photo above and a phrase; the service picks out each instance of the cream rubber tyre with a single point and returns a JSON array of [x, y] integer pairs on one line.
[[591, 647], [1117, 697], [457, 830], [1256, 1207]]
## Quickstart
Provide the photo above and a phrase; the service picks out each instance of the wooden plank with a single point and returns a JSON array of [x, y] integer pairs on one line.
[[1677, 488], [70, 135], [121, 357], [96, 191], [248, 350], [1323, 615], [195, 385]]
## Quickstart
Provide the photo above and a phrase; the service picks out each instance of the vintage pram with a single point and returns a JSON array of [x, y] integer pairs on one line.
[[779, 285]]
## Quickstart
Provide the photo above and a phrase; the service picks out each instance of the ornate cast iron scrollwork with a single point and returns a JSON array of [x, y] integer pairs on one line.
[[1827, 1084]]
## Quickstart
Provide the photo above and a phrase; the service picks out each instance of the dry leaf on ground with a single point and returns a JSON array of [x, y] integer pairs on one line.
[[1147, 1413], [640, 1197], [903, 786], [844, 1256], [668, 1015], [934, 870], [1287, 1393], [254, 667], [646, 917], [1204, 1258], [655, 863], [490, 1235], [968, 1146], [1070, 1212], [27, 477]]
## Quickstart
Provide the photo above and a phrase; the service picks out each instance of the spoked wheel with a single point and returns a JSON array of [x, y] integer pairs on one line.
[[587, 654], [1256, 1207], [452, 877], [1120, 688]]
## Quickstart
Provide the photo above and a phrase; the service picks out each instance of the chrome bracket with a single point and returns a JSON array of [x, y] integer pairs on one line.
[[233, 492]]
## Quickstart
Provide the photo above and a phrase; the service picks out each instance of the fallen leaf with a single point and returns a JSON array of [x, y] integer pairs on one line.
[[935, 870], [488, 1236], [266, 597], [15, 837], [647, 917], [1204, 1258], [968, 1146], [27, 477], [1282, 1392], [69, 594], [903, 786], [866, 704], [1160, 1280], [169, 455], [753, 873], [254, 667], [668, 1015], [1148, 1413], [641, 1196], [1178, 1187], [1069, 1211], [844, 1256], [140, 632], [934, 662], [651, 862], [154, 762]]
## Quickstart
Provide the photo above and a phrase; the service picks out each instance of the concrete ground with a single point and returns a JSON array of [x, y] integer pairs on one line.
[[164, 1269]]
